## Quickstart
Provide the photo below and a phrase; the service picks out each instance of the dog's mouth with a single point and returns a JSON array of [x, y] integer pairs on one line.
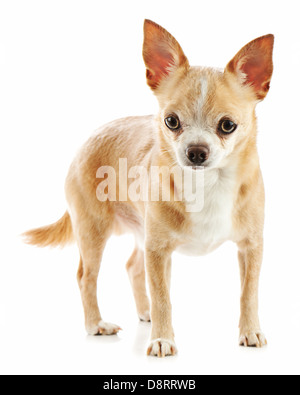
[[197, 168], [194, 167]]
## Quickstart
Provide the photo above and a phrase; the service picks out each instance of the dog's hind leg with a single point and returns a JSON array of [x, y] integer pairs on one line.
[[136, 272], [91, 238]]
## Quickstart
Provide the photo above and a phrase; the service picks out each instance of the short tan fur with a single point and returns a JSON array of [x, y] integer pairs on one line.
[[200, 99]]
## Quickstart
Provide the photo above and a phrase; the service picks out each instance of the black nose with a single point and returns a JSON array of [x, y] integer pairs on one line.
[[197, 154]]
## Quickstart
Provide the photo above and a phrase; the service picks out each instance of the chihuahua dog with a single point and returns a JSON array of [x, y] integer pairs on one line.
[[206, 123]]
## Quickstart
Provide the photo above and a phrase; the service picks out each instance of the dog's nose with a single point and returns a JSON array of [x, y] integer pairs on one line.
[[197, 154]]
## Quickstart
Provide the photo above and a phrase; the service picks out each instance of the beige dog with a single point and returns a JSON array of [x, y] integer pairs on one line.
[[206, 118]]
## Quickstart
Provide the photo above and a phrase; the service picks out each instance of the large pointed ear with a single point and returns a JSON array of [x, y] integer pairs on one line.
[[162, 54], [253, 65]]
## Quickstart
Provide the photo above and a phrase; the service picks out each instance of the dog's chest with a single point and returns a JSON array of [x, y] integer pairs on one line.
[[212, 226]]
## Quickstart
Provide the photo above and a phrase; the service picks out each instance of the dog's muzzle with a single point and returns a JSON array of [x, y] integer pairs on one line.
[[197, 154]]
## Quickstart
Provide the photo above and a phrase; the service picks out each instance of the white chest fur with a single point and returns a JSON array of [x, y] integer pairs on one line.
[[212, 226]]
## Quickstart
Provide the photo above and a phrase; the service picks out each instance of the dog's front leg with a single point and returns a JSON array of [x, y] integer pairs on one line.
[[250, 260], [158, 263]]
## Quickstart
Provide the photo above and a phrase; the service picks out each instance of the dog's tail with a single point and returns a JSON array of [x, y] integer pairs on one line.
[[58, 234]]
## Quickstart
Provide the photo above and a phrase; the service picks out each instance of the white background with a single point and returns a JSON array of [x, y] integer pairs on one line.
[[66, 67]]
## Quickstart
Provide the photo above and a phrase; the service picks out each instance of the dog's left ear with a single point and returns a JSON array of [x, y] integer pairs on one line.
[[253, 65], [162, 54]]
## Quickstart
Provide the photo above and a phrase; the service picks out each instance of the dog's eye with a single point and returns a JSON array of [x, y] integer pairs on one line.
[[172, 122], [226, 126]]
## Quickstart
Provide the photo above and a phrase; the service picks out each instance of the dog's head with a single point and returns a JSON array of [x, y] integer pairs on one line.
[[205, 114]]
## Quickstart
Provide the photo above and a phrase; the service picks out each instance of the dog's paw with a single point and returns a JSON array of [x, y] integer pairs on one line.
[[253, 339], [103, 328], [162, 348], [145, 316]]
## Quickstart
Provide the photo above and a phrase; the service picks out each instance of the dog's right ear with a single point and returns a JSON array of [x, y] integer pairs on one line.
[[162, 54], [253, 65]]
